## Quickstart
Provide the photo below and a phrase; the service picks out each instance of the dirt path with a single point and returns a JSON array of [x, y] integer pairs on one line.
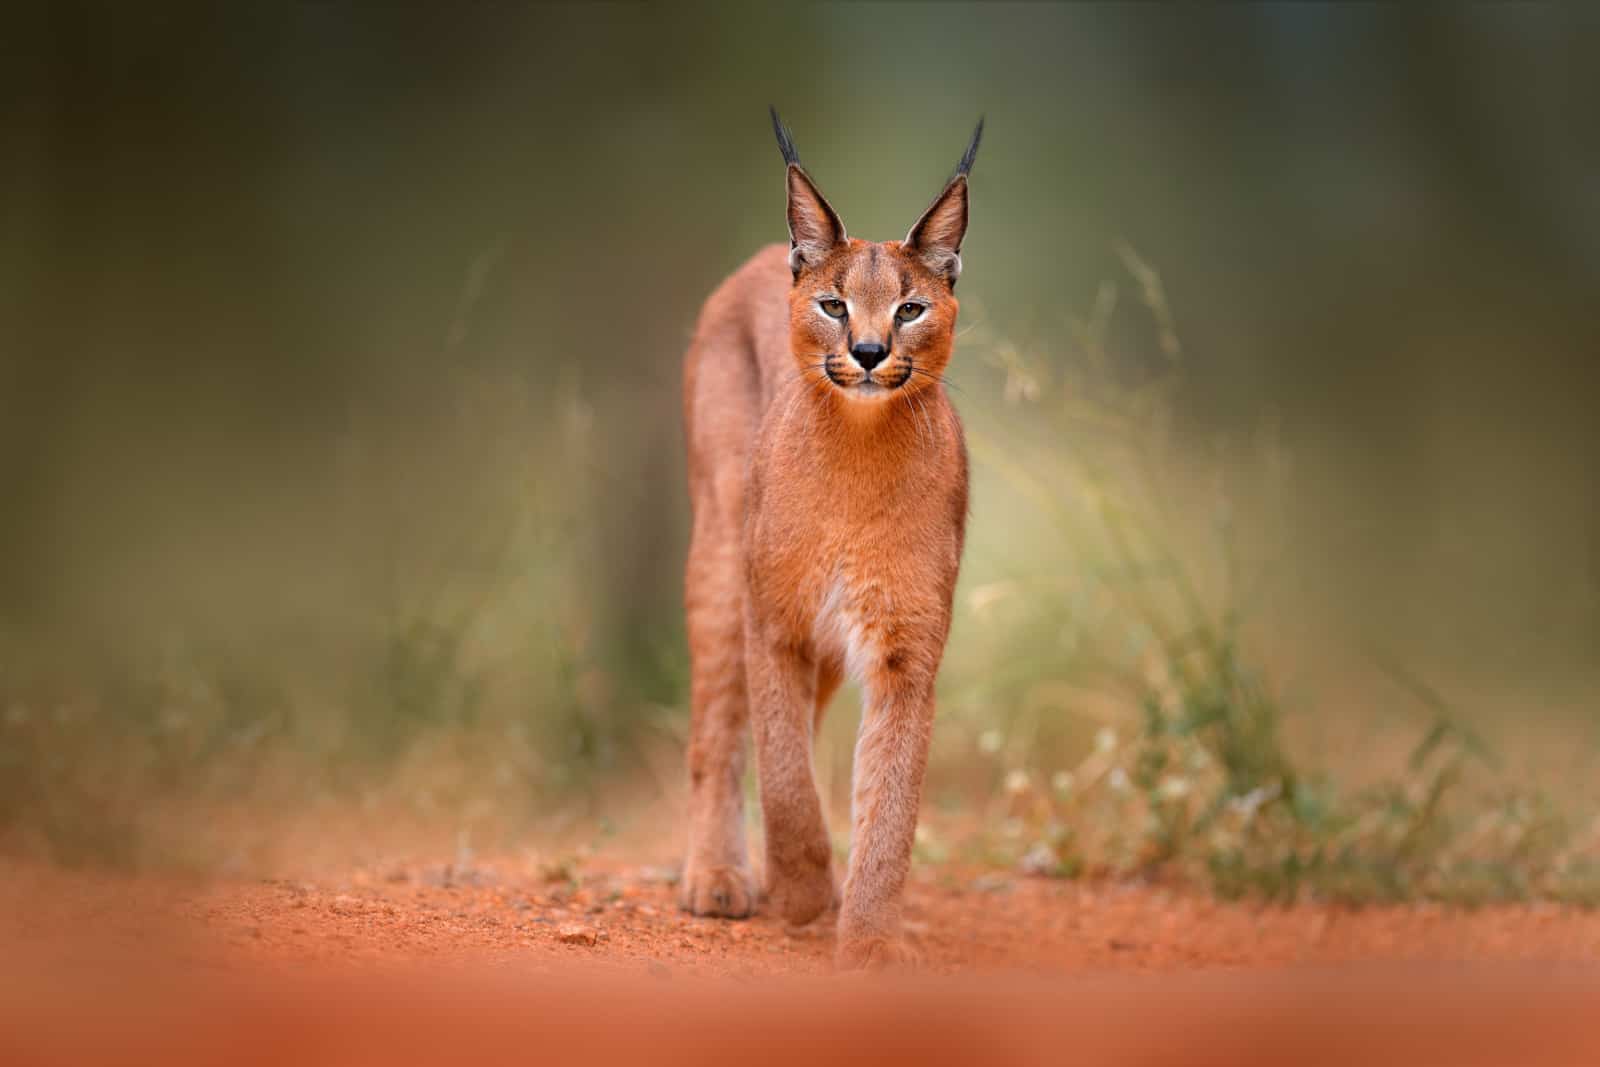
[[519, 963], [958, 920]]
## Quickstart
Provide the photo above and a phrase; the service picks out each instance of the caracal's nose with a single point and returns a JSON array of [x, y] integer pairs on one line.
[[869, 355]]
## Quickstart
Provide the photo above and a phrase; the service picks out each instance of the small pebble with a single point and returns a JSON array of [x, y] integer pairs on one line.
[[576, 934]]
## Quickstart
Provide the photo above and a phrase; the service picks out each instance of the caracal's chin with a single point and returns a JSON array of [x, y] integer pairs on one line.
[[867, 392]]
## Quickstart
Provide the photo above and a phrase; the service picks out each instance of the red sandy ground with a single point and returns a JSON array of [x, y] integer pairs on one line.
[[602, 966], [958, 920]]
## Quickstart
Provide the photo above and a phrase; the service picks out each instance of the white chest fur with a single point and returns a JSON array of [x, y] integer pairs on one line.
[[840, 632]]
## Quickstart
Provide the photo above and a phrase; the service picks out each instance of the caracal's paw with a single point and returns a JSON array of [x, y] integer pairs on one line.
[[875, 953], [720, 891], [799, 899]]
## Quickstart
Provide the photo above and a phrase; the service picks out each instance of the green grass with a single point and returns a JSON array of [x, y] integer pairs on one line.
[[443, 666], [1149, 593]]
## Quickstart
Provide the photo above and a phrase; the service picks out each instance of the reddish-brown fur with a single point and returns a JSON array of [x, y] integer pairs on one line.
[[828, 524]]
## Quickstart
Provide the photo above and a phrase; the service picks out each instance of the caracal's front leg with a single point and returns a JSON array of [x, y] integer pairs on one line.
[[799, 875], [891, 756]]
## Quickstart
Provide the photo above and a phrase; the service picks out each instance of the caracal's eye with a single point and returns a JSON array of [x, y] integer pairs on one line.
[[908, 312], [832, 308]]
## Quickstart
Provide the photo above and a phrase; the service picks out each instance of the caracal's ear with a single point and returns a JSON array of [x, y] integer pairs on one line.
[[814, 227], [936, 237]]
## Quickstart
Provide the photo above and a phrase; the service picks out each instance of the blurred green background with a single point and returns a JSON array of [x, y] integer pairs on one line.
[[340, 441]]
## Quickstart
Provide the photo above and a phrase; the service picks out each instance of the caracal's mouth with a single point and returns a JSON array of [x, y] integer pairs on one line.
[[866, 386]]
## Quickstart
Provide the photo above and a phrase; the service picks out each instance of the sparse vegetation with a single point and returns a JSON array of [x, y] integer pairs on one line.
[[446, 673], [1190, 776]]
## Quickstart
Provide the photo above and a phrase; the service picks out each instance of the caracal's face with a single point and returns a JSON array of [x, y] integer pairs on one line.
[[871, 321], [874, 322]]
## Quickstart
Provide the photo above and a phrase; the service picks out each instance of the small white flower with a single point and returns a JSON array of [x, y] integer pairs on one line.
[[1118, 779], [1251, 802], [990, 741], [1105, 740], [1016, 781], [923, 835], [1041, 859], [1061, 781], [1174, 788]]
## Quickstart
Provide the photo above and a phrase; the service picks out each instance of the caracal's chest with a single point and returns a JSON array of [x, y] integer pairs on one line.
[[827, 574], [844, 546]]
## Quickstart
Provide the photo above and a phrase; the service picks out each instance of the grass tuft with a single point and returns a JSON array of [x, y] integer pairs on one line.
[[1145, 617]]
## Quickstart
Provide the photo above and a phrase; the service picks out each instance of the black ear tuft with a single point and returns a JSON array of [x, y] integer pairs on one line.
[[937, 235], [786, 139], [965, 166]]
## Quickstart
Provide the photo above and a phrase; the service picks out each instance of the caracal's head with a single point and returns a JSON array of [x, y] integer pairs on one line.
[[873, 320]]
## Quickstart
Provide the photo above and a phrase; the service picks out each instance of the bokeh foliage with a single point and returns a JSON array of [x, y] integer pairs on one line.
[[339, 409]]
